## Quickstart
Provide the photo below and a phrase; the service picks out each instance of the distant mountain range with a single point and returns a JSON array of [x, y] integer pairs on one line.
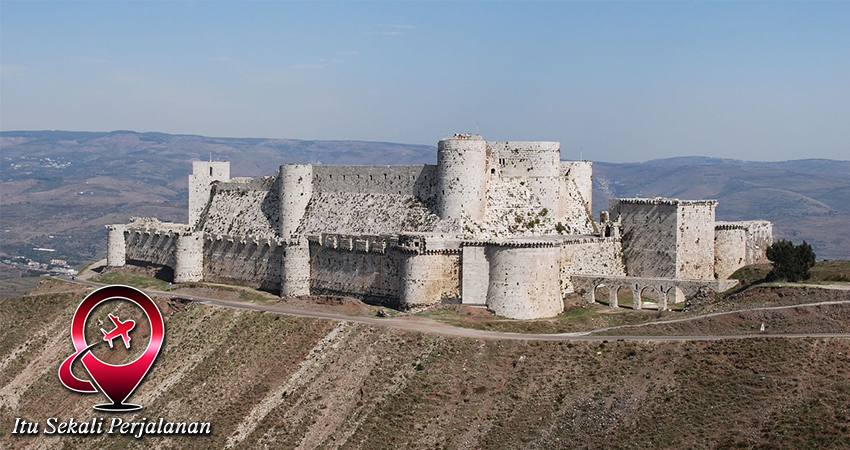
[[59, 188]]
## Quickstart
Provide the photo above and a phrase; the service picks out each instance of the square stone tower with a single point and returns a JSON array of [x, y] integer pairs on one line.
[[204, 174], [666, 238]]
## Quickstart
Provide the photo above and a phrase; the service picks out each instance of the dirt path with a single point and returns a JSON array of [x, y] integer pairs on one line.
[[425, 325]]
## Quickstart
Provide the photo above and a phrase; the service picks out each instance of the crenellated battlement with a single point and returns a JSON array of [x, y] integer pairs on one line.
[[505, 224]]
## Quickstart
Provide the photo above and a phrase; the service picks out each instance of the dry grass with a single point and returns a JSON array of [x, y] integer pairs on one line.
[[377, 388]]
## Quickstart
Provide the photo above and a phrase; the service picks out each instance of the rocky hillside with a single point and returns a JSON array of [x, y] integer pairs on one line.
[[274, 381]]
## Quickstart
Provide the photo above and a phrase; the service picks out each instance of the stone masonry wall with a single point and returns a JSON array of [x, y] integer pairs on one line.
[[730, 250], [371, 276], [116, 245], [649, 233], [152, 247], [575, 197], [248, 262], [243, 209], [427, 279], [475, 275], [461, 179], [695, 243], [759, 238], [524, 282], [737, 244], [418, 181], [204, 173], [527, 158], [347, 213], [590, 255]]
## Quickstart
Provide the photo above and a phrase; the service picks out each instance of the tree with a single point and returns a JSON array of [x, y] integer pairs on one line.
[[790, 262]]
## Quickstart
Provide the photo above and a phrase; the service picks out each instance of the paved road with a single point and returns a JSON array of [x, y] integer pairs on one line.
[[424, 325]]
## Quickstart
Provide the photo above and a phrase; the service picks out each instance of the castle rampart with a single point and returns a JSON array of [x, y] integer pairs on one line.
[[461, 179], [204, 174], [523, 281], [189, 257], [418, 181], [738, 244], [249, 261], [503, 224], [296, 188], [668, 238], [116, 251]]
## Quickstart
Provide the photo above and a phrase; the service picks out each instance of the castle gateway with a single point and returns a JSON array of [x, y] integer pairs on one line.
[[506, 225]]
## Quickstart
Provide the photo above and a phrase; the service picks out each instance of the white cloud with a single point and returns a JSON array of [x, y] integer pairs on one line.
[[219, 59], [405, 27], [384, 33], [352, 52]]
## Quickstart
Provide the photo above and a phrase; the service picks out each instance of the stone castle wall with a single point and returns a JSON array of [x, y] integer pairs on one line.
[[418, 181], [204, 174], [738, 244], [649, 233], [189, 257], [346, 213], [730, 246], [428, 279], [151, 246], [576, 197], [371, 276], [667, 238], [590, 255], [295, 191], [506, 224], [461, 178], [116, 245], [243, 209], [695, 242], [759, 238], [369, 268], [251, 262], [524, 281]]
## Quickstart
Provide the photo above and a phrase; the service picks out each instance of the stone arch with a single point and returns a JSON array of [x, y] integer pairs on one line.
[[676, 296], [602, 294], [625, 296], [652, 295]]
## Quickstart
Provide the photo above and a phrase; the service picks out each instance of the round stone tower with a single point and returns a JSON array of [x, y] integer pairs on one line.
[[295, 276], [189, 257], [461, 177], [116, 250], [524, 281], [296, 188]]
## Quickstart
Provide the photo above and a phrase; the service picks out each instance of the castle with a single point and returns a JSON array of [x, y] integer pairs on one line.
[[507, 225]]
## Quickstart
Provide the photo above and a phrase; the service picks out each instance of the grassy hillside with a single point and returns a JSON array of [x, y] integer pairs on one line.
[[268, 380]]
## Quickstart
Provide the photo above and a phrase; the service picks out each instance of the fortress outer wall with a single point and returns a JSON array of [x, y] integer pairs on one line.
[[524, 282]]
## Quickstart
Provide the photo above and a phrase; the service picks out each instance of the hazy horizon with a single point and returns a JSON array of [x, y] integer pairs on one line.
[[611, 81], [432, 146]]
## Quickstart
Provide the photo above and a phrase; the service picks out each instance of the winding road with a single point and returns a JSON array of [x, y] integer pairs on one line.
[[425, 325]]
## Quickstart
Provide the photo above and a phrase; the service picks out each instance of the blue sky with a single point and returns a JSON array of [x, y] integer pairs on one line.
[[612, 81]]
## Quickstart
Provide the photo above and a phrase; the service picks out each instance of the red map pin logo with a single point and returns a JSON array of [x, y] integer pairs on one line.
[[116, 382]]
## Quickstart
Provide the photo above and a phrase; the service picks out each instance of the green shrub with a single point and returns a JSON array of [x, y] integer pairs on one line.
[[790, 262]]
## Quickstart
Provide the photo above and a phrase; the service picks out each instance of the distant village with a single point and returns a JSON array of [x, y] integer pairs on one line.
[[31, 268]]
